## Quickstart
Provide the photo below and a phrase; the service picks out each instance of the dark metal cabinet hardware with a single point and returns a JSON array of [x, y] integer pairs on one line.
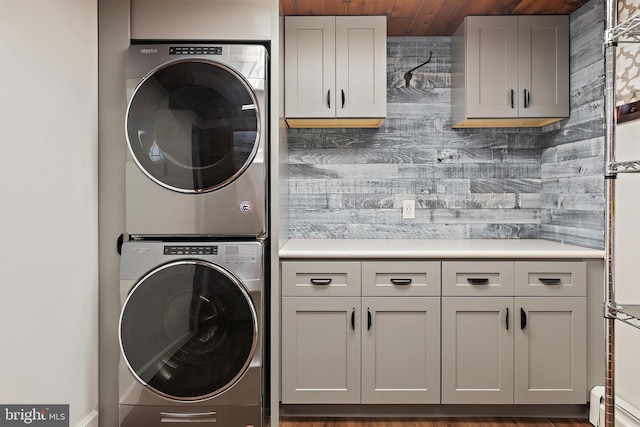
[[478, 280], [321, 281], [401, 281], [506, 319], [523, 319], [550, 280]]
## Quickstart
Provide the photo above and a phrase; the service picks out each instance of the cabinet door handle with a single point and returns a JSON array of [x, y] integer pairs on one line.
[[478, 280], [321, 281], [550, 280], [369, 319], [401, 281], [506, 319], [523, 318], [329, 99], [342, 90], [527, 98], [512, 97], [353, 319]]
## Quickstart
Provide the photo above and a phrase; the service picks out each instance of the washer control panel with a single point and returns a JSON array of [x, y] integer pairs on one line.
[[190, 250], [195, 50]]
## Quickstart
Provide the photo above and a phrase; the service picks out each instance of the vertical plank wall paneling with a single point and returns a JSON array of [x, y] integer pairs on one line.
[[467, 183]]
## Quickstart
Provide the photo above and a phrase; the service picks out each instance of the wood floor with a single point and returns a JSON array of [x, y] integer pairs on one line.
[[434, 422]]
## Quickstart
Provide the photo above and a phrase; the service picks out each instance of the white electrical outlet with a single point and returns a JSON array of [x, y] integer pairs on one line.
[[408, 209]]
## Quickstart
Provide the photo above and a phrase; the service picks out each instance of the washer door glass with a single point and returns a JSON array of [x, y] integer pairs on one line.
[[193, 125], [188, 330]]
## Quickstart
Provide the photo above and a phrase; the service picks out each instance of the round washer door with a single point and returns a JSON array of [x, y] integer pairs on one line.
[[193, 125], [188, 330]]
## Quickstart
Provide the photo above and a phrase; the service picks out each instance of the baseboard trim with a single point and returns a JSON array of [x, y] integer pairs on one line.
[[549, 411]]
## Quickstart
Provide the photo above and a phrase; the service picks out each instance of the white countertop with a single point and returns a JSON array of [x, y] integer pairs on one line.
[[440, 249]]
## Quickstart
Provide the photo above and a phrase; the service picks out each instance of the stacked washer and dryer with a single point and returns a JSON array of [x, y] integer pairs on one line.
[[192, 275]]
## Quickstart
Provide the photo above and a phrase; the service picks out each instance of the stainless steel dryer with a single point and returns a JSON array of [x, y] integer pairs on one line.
[[190, 333], [196, 128]]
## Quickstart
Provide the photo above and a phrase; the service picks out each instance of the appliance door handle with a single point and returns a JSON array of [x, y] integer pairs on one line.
[[321, 281], [550, 280], [401, 281], [188, 417], [329, 99], [478, 280], [523, 318]]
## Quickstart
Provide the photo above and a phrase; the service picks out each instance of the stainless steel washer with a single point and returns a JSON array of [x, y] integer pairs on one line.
[[196, 128], [191, 334]]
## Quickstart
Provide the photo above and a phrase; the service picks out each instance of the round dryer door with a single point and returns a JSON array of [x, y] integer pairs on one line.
[[193, 125], [188, 330]]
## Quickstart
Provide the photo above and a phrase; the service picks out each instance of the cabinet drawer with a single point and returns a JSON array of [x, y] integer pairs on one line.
[[320, 278], [477, 278], [566, 278], [396, 278]]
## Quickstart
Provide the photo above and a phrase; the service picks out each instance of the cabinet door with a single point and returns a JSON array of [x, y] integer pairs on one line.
[[477, 344], [492, 66], [361, 72], [320, 350], [310, 66], [551, 350], [401, 350], [543, 61]]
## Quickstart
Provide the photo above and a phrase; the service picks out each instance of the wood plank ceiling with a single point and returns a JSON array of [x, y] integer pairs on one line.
[[427, 17]]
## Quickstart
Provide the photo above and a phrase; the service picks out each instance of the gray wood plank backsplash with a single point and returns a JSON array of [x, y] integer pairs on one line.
[[467, 183]]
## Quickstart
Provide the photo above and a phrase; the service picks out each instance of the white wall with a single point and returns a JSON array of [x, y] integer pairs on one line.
[[627, 240], [49, 208]]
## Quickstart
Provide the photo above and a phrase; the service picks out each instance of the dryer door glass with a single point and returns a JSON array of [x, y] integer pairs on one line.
[[188, 330], [193, 126]]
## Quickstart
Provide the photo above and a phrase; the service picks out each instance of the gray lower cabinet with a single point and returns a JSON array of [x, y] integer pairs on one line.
[[477, 341], [379, 345], [550, 350], [400, 351], [321, 350], [412, 332], [514, 348]]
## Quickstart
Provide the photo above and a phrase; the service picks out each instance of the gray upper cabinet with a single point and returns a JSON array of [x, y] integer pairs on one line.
[[335, 71], [510, 71]]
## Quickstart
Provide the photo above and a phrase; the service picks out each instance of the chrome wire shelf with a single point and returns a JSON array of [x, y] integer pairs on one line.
[[624, 167], [629, 314], [629, 28]]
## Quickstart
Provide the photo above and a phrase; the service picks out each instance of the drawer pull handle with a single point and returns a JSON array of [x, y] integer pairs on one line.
[[549, 280], [321, 281], [401, 281], [478, 280], [523, 319]]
